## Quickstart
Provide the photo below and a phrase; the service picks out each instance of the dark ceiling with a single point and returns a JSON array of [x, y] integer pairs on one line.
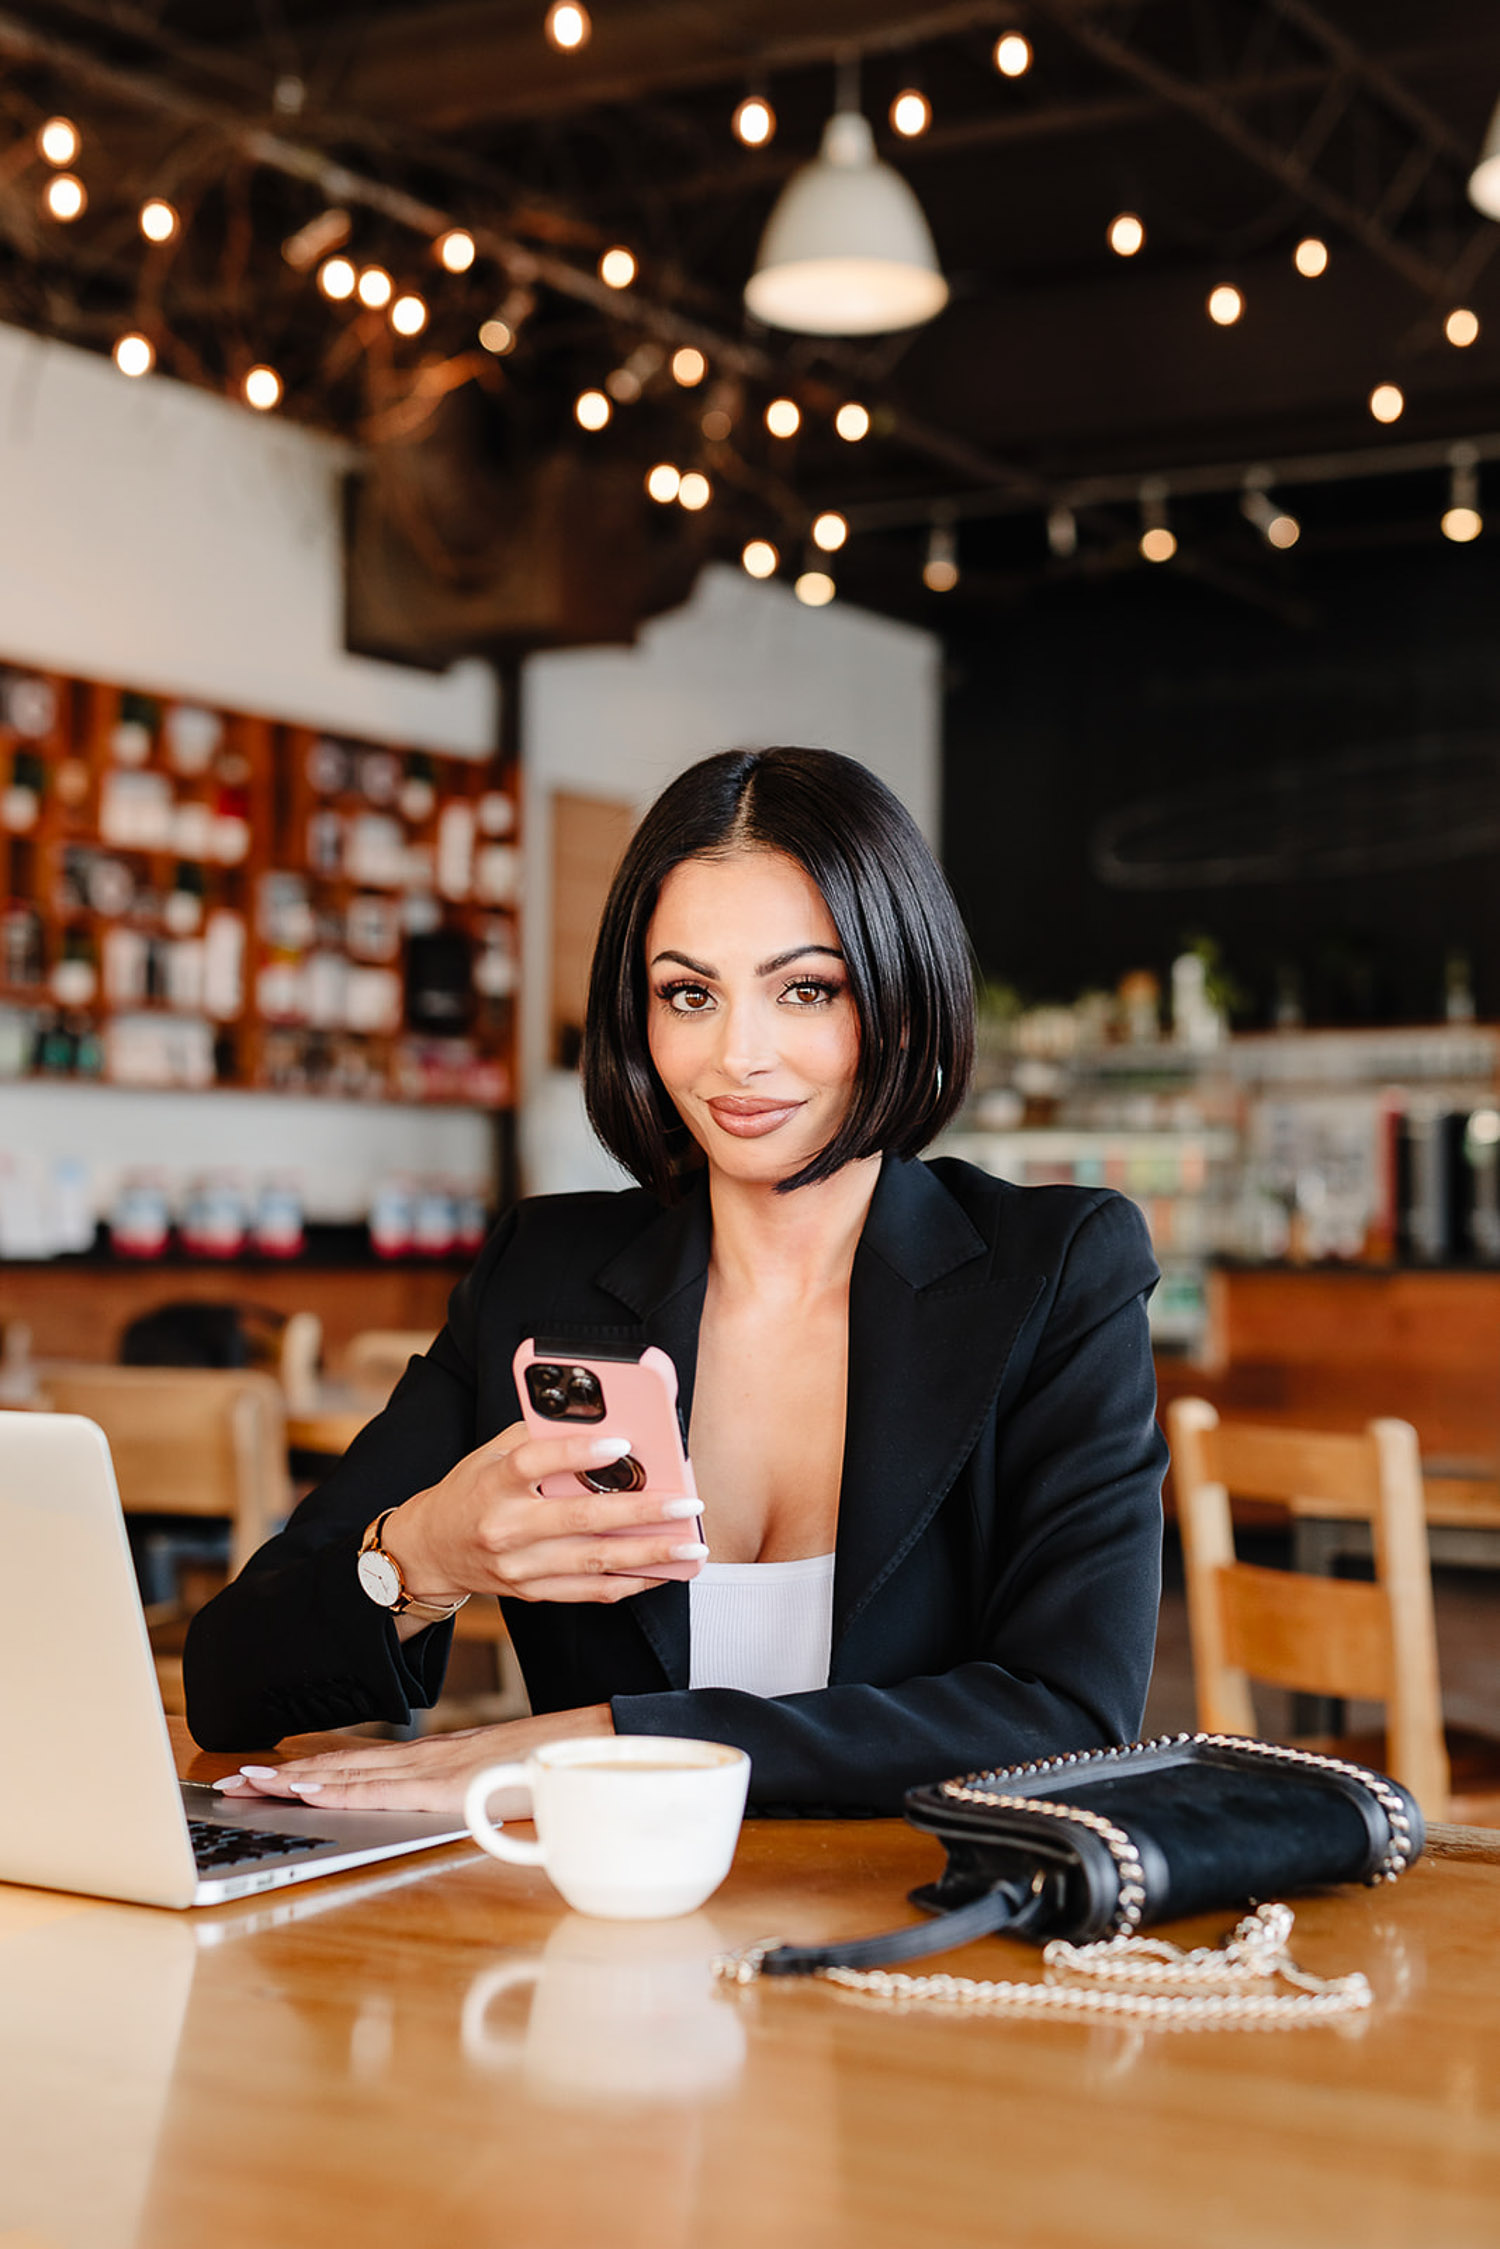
[[1059, 372]]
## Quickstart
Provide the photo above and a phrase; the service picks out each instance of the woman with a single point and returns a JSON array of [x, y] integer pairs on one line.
[[921, 1399]]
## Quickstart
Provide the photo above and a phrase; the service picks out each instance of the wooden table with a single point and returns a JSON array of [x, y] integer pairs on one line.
[[440, 2052], [328, 1419]]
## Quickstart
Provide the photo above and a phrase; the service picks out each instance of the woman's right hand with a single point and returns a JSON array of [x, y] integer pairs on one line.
[[487, 1529]]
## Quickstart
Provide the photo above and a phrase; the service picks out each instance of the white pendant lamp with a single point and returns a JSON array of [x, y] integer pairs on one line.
[[846, 251], [1484, 180]]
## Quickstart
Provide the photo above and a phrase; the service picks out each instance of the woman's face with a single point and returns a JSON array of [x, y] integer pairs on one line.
[[753, 1029]]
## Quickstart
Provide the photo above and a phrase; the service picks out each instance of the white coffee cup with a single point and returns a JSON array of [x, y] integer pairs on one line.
[[631, 1827]]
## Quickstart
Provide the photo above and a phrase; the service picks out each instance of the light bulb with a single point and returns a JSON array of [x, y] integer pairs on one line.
[[1283, 531], [1462, 524], [134, 355], [783, 417], [1012, 55], [829, 532], [1387, 403], [623, 385], [1126, 234], [337, 278], [59, 140], [852, 422], [409, 315], [1310, 257], [617, 269], [760, 559], [754, 121], [375, 287], [940, 565], [1461, 327], [688, 366], [262, 389], [663, 482], [1158, 544], [1225, 304], [911, 113], [695, 491], [716, 425], [498, 336], [65, 196], [568, 26], [456, 249], [592, 410], [814, 587], [158, 220]]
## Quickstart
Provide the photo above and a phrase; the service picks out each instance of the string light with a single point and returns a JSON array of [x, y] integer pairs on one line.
[[852, 421], [337, 279], [375, 288], [1012, 54], [592, 410], [663, 482], [261, 389], [134, 355], [1157, 542], [159, 221], [688, 366], [754, 121], [1127, 234], [911, 113], [1310, 257], [1461, 327], [568, 26], [1062, 532], [695, 491], [815, 588], [617, 268], [497, 335], [1276, 526], [1225, 305], [409, 315], [1387, 403], [783, 417], [1462, 520], [760, 559], [829, 532], [623, 385], [65, 197], [940, 568], [716, 425], [59, 140], [330, 230], [456, 249]]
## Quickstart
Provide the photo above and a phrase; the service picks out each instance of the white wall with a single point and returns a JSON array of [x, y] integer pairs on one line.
[[740, 665], [164, 538]]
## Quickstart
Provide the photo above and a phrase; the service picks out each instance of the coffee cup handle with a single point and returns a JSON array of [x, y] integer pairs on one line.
[[489, 1834]]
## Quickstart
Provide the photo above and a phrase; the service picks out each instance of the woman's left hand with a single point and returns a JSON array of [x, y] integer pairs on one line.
[[430, 1775]]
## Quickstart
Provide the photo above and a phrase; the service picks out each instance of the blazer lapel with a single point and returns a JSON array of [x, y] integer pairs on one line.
[[931, 1328]]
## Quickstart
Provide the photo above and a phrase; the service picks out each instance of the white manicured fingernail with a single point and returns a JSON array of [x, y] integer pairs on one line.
[[694, 1553], [306, 1787], [678, 1510], [610, 1448], [260, 1772]]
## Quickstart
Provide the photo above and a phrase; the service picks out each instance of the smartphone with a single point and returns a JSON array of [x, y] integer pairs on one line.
[[599, 1393]]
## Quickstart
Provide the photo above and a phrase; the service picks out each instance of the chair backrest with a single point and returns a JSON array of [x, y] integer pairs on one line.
[[377, 1357], [187, 1441], [1324, 1636]]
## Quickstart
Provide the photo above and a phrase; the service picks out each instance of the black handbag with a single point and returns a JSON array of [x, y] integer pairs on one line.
[[1081, 1852]]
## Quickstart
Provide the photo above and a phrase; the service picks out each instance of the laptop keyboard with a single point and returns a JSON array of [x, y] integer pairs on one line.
[[215, 1845]]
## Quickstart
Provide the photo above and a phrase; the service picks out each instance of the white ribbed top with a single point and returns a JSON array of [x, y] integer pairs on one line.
[[766, 1627]]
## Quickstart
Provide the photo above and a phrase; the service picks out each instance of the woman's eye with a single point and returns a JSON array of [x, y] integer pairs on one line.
[[809, 992], [687, 999]]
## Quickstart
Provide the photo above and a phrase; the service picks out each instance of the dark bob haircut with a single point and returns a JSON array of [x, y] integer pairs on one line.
[[905, 950]]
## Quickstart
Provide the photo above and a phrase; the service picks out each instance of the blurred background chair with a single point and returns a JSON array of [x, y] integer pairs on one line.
[[376, 1358], [1370, 1642], [190, 1444]]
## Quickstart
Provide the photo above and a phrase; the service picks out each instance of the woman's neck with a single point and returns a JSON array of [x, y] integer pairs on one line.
[[792, 1246]]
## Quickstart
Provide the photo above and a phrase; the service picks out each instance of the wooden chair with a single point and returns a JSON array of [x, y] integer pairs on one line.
[[186, 1441], [1322, 1635], [376, 1357]]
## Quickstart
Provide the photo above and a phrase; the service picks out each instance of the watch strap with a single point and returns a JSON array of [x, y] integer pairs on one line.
[[406, 1603]]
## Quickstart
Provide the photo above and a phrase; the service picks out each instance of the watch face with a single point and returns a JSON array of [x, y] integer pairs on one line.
[[380, 1578]]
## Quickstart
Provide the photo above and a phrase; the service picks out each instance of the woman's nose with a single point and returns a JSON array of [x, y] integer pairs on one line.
[[745, 1041]]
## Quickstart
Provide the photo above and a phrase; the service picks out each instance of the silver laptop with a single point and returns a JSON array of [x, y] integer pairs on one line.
[[89, 1794]]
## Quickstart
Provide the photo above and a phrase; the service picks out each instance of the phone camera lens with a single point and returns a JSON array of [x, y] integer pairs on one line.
[[548, 1393], [583, 1387]]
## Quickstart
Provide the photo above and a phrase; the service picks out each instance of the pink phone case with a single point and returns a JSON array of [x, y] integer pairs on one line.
[[640, 1402]]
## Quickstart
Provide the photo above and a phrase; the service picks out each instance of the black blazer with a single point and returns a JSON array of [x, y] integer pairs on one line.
[[999, 1528]]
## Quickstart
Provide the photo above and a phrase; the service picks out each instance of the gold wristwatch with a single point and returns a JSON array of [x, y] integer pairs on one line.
[[380, 1575]]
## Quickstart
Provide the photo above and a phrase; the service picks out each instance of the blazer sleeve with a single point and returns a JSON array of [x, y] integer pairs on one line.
[[1068, 1611], [294, 1645]]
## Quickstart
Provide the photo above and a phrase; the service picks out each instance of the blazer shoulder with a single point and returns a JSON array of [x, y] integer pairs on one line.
[[1043, 1221]]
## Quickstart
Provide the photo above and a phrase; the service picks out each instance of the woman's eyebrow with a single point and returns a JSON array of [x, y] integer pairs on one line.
[[766, 968]]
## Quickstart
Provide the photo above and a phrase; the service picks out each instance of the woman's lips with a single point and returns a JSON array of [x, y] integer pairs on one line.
[[748, 1120]]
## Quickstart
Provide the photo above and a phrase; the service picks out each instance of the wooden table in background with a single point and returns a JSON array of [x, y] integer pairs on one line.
[[440, 2052], [328, 1420]]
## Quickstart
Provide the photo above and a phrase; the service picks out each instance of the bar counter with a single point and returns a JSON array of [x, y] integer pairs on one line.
[[441, 2052]]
